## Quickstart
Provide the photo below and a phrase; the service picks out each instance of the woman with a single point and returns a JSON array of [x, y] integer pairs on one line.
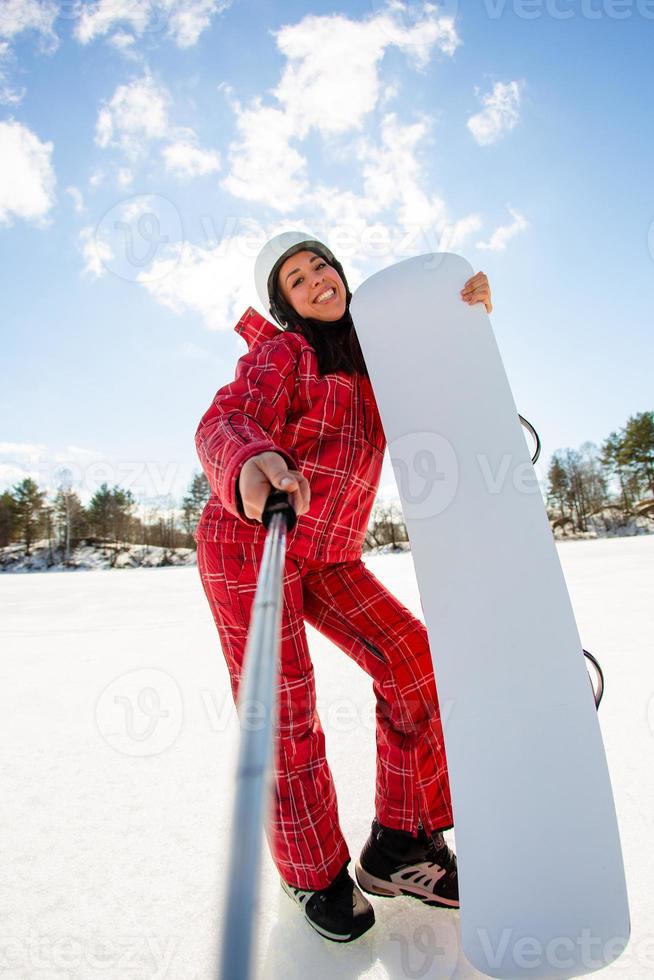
[[301, 416]]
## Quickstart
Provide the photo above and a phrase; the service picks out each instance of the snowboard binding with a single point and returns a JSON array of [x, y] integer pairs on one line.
[[599, 691]]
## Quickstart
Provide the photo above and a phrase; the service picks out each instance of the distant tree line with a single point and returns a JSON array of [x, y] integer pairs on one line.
[[109, 518], [613, 483]]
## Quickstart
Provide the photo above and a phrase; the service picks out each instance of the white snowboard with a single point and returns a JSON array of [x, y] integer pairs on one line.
[[542, 885]]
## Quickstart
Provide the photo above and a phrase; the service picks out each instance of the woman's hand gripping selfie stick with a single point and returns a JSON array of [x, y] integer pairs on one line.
[[257, 711]]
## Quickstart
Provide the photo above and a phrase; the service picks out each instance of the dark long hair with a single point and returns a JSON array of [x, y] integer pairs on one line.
[[335, 341]]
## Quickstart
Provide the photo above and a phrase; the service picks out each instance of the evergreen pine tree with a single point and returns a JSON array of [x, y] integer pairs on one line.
[[193, 503], [8, 519], [558, 484], [29, 505], [638, 444]]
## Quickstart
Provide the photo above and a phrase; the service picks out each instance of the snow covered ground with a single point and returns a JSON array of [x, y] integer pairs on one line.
[[43, 558], [118, 748]]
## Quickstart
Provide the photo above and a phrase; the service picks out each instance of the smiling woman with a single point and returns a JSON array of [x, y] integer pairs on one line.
[[313, 288], [301, 417], [293, 272]]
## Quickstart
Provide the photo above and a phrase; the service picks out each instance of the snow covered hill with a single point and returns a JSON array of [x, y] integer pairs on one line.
[[87, 556]]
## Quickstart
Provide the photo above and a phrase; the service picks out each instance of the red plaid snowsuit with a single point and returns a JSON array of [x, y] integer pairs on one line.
[[328, 428]]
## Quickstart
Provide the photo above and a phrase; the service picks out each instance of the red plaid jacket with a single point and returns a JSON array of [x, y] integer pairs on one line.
[[328, 428]]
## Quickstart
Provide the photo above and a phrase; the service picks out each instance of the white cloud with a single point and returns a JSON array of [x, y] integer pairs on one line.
[[331, 80], [23, 450], [264, 167], [95, 252], [184, 158], [187, 21], [10, 475], [213, 283], [455, 236], [27, 178], [501, 235], [98, 175], [19, 460], [391, 172], [125, 44], [415, 28], [77, 198], [389, 92], [217, 283], [500, 113], [136, 114], [331, 83], [393, 185], [80, 451], [84, 470], [124, 177], [392, 215], [98, 19], [181, 22], [18, 17], [8, 94], [129, 236]]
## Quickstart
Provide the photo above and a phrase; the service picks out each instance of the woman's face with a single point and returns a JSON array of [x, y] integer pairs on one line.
[[312, 287]]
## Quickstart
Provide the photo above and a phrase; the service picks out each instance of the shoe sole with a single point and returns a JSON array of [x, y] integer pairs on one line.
[[391, 889], [333, 936]]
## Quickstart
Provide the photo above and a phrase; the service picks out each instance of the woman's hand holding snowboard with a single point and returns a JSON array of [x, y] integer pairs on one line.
[[268, 471], [477, 289]]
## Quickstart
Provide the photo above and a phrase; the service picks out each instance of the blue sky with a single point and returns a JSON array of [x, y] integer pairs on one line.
[[144, 160]]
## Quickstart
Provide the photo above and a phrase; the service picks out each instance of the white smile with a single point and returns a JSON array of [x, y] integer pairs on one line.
[[325, 297]]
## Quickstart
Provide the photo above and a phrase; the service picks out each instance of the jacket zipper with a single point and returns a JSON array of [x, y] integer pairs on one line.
[[373, 648], [341, 491]]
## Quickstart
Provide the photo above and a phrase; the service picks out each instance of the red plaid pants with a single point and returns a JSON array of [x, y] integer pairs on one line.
[[350, 606]]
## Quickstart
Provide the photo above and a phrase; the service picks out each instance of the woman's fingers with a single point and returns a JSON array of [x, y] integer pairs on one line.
[[480, 279], [473, 279], [298, 491], [477, 290], [266, 470]]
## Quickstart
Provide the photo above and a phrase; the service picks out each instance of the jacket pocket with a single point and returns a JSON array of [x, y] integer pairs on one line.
[[373, 649]]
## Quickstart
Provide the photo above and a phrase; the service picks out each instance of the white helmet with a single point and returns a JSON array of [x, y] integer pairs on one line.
[[270, 258]]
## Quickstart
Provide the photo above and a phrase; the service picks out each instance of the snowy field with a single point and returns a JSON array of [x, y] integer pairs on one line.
[[119, 740]]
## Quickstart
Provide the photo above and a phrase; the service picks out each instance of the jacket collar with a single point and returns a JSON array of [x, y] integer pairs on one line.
[[254, 328]]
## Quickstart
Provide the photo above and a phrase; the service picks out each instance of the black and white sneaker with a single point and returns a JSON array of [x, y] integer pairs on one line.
[[338, 912], [393, 863]]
